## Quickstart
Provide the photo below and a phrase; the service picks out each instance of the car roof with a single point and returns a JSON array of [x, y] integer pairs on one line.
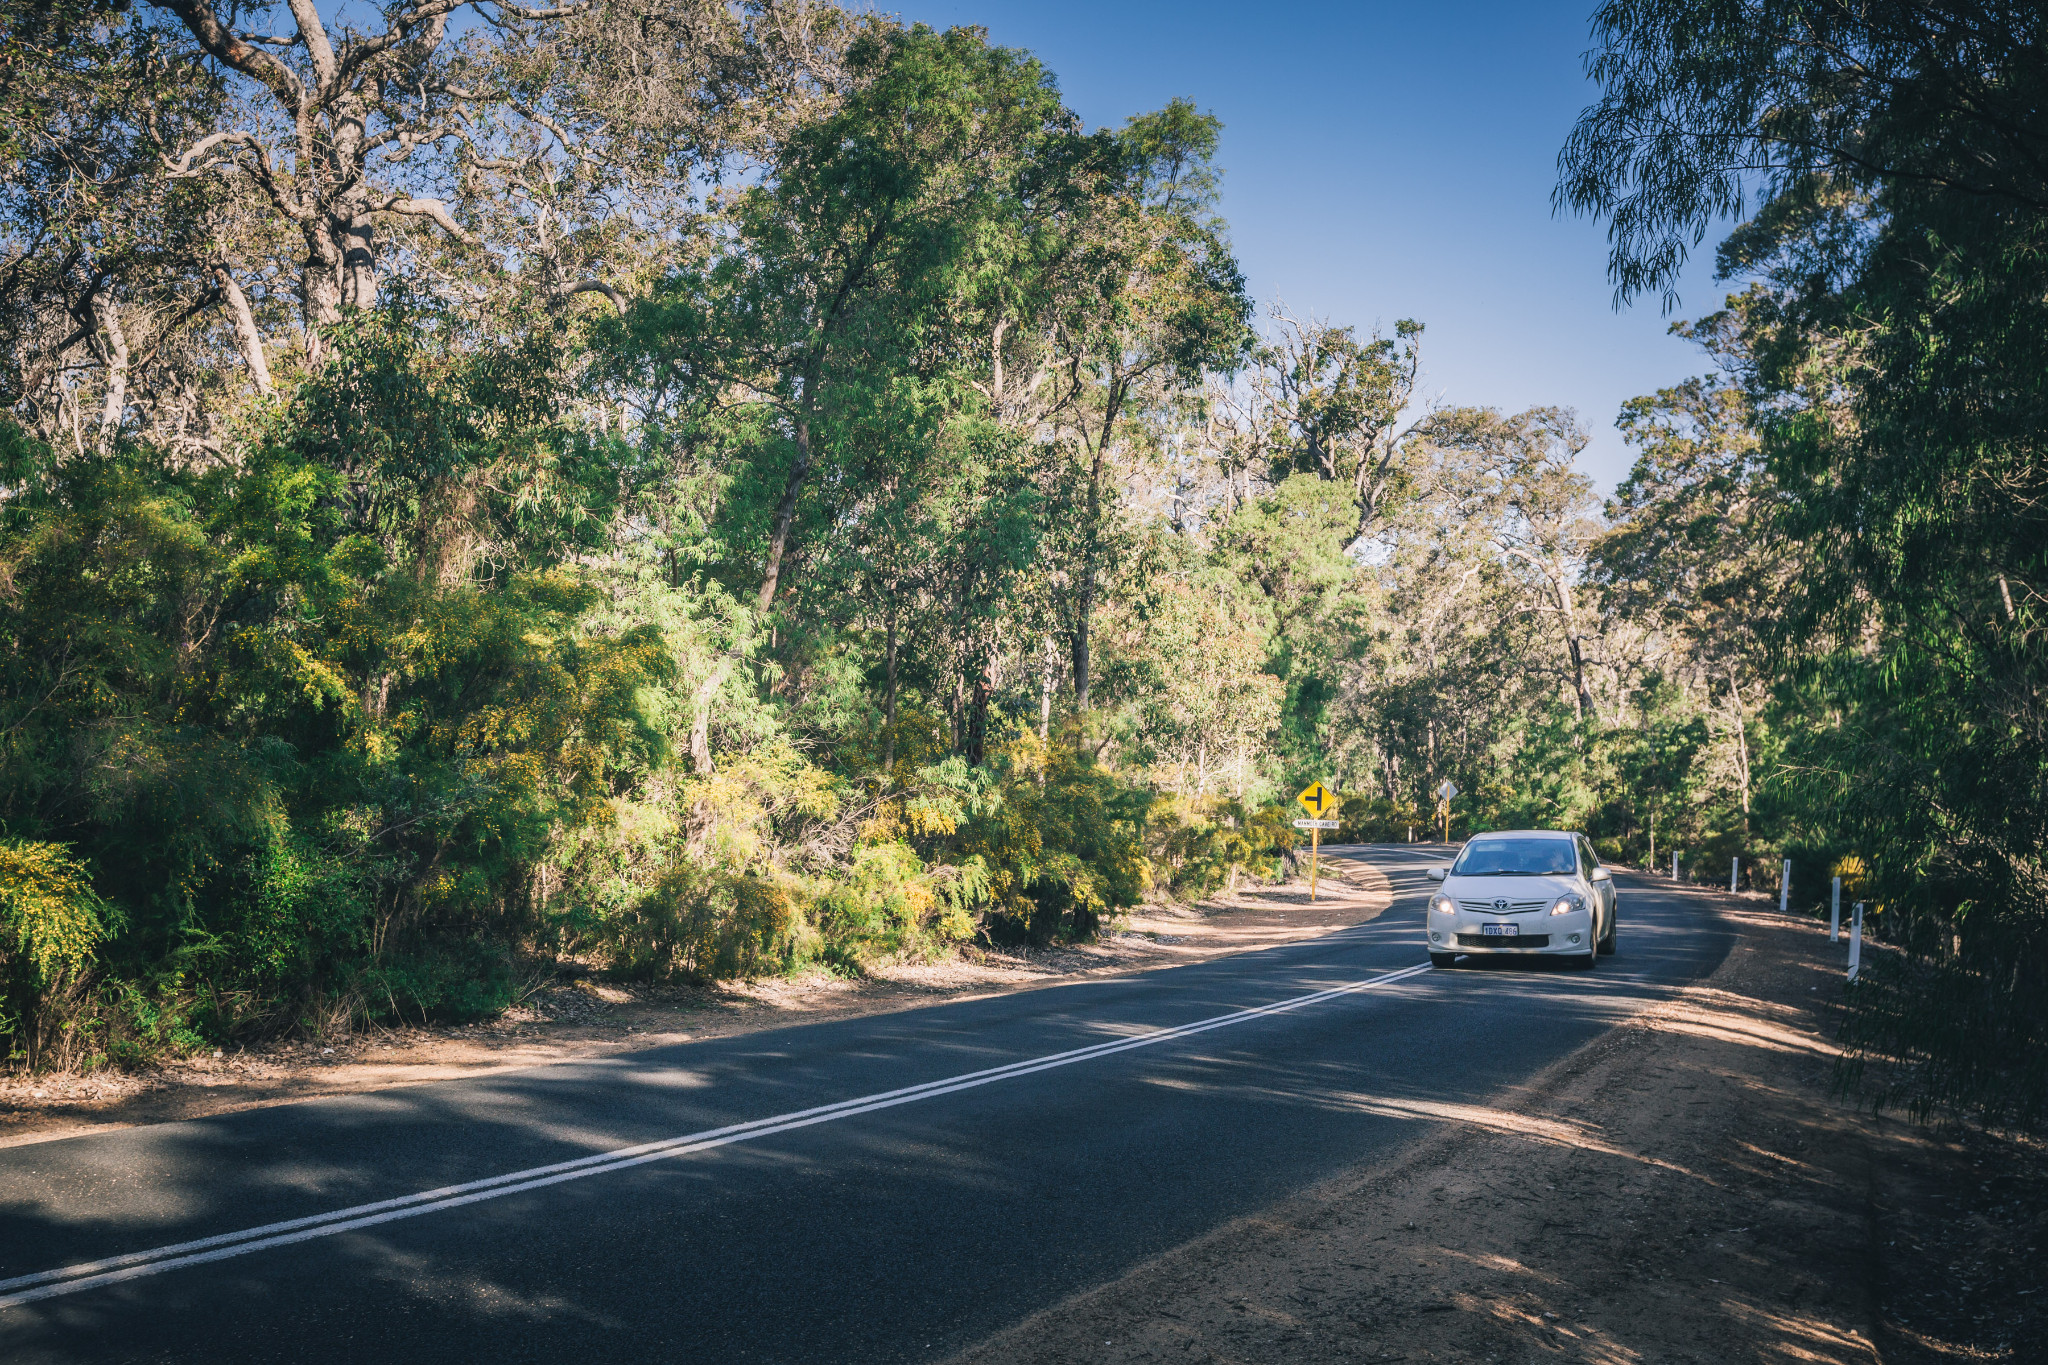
[[1527, 834]]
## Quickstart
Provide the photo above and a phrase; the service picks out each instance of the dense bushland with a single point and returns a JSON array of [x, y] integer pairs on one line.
[[1881, 548], [709, 490]]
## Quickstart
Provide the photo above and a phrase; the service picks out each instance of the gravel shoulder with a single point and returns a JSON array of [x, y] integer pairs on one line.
[[573, 1021], [1681, 1189]]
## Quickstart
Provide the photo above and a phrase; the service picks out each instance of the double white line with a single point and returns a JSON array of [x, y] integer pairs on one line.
[[72, 1279]]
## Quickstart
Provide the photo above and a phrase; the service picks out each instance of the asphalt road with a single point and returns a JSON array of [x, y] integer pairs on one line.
[[899, 1226]]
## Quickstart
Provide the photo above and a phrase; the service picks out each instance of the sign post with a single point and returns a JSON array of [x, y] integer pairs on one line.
[[1856, 942], [1785, 887], [1318, 801], [1835, 913], [1444, 793]]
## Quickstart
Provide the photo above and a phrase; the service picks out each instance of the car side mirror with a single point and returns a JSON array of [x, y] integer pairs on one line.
[[1437, 874], [1601, 874]]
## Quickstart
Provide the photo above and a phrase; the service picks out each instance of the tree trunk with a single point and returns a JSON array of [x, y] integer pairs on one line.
[[956, 713], [1582, 700], [700, 716], [889, 712], [320, 284], [1741, 745], [359, 263], [977, 716], [245, 327], [1045, 692], [1084, 605], [117, 373], [1582, 696], [1085, 601], [785, 510]]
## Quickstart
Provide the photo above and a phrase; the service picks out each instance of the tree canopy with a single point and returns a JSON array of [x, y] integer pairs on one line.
[[708, 490]]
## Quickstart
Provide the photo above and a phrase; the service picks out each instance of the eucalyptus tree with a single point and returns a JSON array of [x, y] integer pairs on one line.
[[1890, 160], [1155, 302], [832, 302], [105, 264], [1509, 483], [194, 181], [342, 131], [1328, 404], [1697, 547]]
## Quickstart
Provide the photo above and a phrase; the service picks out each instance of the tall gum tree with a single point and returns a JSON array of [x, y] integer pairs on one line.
[[445, 111], [1160, 302], [833, 300]]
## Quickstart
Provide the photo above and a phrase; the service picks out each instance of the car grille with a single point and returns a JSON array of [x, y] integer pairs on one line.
[[1514, 907], [1503, 940]]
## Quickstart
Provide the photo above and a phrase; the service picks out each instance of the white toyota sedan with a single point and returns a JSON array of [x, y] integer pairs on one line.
[[1523, 891]]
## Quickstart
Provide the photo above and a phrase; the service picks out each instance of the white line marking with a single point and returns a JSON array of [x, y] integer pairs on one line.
[[92, 1274]]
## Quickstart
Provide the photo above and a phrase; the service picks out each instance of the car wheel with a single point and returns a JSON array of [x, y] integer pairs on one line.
[[1586, 961], [1607, 944], [1442, 959]]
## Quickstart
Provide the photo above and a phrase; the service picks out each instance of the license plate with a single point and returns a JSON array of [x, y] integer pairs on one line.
[[1500, 930]]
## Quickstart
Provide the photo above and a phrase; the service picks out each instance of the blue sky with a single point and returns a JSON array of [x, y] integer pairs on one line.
[[1388, 161]]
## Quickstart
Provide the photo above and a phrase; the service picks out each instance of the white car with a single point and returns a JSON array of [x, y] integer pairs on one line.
[[1523, 891]]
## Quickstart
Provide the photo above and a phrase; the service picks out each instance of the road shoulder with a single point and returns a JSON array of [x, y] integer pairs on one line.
[[577, 1021], [1680, 1189]]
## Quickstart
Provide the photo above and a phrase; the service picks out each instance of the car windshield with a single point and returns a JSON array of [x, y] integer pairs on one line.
[[1516, 858]]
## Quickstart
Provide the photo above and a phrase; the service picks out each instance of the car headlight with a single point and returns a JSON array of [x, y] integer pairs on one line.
[[1444, 905], [1568, 903]]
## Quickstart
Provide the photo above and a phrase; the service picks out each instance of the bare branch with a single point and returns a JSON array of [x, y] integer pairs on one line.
[[220, 43], [405, 28], [524, 14], [597, 287], [432, 209], [245, 325], [314, 34]]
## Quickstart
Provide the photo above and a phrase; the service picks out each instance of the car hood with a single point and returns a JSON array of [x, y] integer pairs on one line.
[[1510, 888]]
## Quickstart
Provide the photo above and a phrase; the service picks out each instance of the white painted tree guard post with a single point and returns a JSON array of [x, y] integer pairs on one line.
[[1835, 913], [1734, 867], [1856, 942], [1785, 887]]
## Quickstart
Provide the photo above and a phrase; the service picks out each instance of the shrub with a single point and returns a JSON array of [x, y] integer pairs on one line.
[[51, 924], [699, 925]]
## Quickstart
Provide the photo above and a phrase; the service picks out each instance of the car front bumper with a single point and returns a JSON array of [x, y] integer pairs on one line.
[[1569, 934]]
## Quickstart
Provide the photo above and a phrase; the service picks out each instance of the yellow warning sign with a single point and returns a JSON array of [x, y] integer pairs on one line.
[[1318, 800]]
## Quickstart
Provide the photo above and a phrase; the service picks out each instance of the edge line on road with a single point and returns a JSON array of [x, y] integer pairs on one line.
[[135, 1265]]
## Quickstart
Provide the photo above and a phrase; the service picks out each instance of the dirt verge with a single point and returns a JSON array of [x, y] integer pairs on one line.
[[582, 1019], [1681, 1189]]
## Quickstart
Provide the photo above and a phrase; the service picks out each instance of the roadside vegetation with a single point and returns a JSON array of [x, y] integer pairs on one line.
[[713, 490]]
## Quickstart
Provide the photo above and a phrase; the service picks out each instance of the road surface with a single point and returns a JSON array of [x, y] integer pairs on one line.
[[887, 1188]]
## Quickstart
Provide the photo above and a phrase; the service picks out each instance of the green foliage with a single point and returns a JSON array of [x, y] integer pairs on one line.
[[1198, 846], [1057, 841], [1889, 349], [1370, 818], [917, 544], [52, 924]]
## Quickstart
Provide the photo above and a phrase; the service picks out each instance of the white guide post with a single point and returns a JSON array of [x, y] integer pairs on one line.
[[1856, 942], [1835, 913], [1785, 887], [1674, 867], [1734, 867]]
